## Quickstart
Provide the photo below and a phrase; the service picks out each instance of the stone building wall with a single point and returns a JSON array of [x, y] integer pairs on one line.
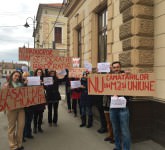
[[159, 50], [135, 36]]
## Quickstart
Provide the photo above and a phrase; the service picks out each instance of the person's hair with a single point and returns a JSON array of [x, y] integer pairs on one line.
[[35, 72], [55, 76], [42, 73], [116, 62], [11, 77]]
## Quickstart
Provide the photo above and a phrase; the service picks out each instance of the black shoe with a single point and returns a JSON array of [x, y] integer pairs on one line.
[[40, 130], [82, 125], [21, 148], [102, 130], [23, 140], [55, 124], [30, 136], [35, 130], [89, 126]]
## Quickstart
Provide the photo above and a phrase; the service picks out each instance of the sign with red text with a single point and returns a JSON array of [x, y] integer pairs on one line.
[[76, 72], [13, 98], [26, 53], [51, 62], [122, 84]]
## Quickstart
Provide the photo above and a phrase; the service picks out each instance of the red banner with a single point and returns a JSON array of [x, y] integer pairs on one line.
[[13, 98], [26, 53], [51, 62], [122, 84]]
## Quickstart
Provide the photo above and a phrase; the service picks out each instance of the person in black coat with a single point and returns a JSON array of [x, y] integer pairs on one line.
[[53, 96], [38, 109], [85, 102]]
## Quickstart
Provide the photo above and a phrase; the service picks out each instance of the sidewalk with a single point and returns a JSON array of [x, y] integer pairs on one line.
[[68, 136]]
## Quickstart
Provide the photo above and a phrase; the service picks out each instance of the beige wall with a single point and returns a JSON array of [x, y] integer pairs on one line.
[[159, 50]]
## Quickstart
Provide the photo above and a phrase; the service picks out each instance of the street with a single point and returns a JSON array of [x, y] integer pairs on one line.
[[68, 135]]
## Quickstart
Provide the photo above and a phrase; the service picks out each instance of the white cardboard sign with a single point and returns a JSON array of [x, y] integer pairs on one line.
[[33, 81], [103, 67], [118, 102]]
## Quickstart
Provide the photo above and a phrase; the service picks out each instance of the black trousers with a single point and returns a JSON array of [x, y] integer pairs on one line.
[[74, 105], [68, 100], [38, 117], [98, 102], [28, 120], [53, 112]]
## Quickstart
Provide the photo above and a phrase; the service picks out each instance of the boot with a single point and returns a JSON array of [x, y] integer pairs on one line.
[[90, 121], [83, 119], [40, 129], [35, 130]]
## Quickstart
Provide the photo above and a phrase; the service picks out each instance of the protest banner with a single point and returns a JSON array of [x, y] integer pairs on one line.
[[103, 67], [48, 80], [26, 53], [122, 84], [33, 80], [51, 62], [13, 98], [75, 84], [76, 72]]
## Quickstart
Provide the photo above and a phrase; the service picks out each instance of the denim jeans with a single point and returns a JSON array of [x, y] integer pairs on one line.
[[120, 123]]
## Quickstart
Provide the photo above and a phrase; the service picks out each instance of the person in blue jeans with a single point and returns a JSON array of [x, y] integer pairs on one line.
[[120, 117]]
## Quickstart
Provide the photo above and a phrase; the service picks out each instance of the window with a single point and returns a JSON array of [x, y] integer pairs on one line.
[[79, 42], [102, 33], [58, 34]]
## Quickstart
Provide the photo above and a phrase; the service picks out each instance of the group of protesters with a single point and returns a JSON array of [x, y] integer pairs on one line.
[[20, 119], [115, 121]]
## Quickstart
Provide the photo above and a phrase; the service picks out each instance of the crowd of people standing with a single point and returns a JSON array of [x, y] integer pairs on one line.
[[114, 121]]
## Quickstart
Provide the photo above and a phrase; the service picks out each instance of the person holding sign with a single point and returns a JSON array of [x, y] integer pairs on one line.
[[16, 117], [28, 113], [85, 102], [119, 116], [53, 96], [75, 94], [38, 109]]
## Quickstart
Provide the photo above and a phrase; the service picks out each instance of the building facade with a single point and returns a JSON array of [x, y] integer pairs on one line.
[[6, 68], [130, 31], [51, 28]]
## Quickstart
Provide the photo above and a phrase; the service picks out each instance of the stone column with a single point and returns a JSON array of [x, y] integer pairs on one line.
[[136, 34]]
